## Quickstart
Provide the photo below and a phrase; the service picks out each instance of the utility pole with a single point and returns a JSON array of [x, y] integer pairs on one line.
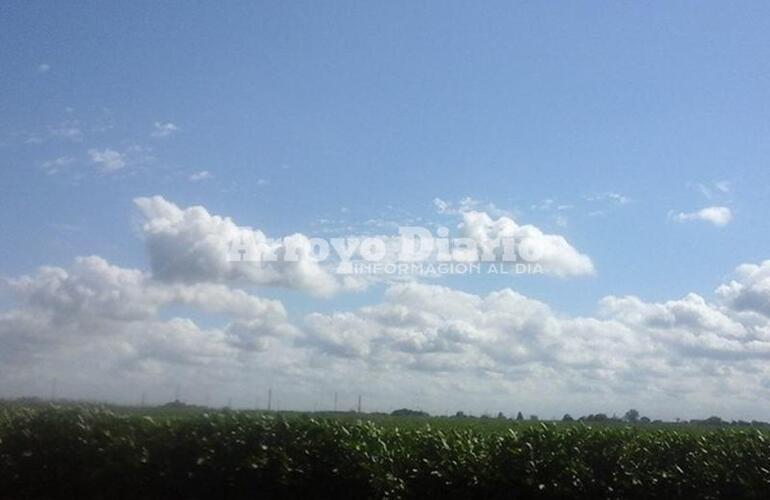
[[359, 403], [270, 399]]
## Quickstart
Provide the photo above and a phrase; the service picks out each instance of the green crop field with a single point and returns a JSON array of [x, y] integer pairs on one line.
[[82, 452]]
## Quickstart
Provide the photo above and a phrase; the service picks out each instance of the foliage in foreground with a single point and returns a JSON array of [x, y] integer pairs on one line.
[[89, 453]]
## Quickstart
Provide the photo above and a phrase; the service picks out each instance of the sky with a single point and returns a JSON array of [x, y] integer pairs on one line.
[[628, 139]]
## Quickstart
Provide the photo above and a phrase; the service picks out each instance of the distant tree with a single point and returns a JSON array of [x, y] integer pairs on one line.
[[599, 417], [644, 420], [567, 418], [460, 414], [176, 404], [631, 416], [500, 415], [406, 412], [519, 417], [713, 421], [533, 418]]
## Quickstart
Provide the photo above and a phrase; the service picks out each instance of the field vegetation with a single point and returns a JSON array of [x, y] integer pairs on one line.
[[187, 452]]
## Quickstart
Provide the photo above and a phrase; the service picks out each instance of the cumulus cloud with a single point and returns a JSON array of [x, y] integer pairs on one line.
[[191, 245], [117, 314], [93, 288], [434, 328], [161, 129], [445, 348], [688, 349], [751, 290], [107, 330], [487, 226], [108, 160], [552, 251], [200, 176], [719, 216]]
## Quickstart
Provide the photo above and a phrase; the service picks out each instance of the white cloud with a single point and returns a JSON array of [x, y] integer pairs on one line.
[[611, 196], [120, 309], [719, 216], [93, 288], [33, 140], [43, 68], [191, 245], [618, 198], [751, 290], [55, 166], [200, 176], [161, 129], [557, 256], [684, 355], [444, 349], [441, 206], [467, 204], [108, 160], [99, 322], [68, 130], [110, 332], [549, 204], [722, 186], [434, 328], [711, 190], [561, 221]]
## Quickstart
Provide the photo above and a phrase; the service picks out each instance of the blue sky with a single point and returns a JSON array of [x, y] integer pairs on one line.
[[597, 121]]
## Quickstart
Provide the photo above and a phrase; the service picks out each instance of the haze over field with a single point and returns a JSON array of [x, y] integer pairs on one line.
[[170, 179]]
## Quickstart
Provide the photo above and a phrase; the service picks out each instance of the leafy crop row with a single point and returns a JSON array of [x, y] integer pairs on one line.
[[87, 453]]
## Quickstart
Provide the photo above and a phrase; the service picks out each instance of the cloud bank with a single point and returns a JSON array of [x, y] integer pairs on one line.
[[195, 321]]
